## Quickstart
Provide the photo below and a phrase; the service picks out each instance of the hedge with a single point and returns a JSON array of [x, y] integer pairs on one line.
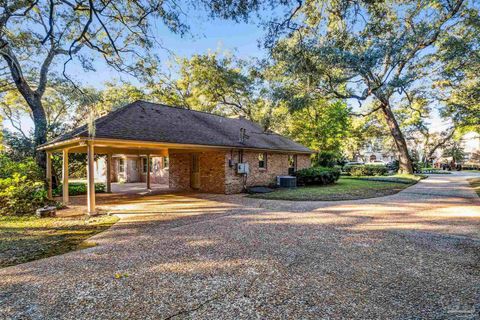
[[317, 176], [366, 170], [78, 188]]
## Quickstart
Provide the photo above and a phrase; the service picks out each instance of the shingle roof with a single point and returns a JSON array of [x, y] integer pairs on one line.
[[145, 121]]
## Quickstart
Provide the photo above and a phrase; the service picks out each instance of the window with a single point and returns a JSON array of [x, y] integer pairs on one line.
[[292, 164], [121, 165], [144, 164], [262, 160], [166, 162]]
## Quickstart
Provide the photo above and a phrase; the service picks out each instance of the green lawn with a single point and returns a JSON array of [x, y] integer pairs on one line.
[[24, 239], [475, 183], [346, 188]]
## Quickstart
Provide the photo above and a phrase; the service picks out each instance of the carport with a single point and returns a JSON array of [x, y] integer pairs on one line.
[[107, 147]]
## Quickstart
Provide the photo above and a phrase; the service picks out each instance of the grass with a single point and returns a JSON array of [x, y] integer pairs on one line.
[[475, 183], [346, 188], [24, 239]]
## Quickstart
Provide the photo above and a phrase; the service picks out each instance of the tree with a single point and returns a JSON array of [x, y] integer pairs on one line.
[[455, 151], [37, 35], [321, 126], [210, 83], [116, 95], [1, 134], [367, 51], [458, 88]]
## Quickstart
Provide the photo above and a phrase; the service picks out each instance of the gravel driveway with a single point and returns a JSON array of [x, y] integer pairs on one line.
[[413, 255]]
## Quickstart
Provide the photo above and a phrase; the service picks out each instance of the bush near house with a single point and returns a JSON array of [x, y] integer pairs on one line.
[[78, 188], [19, 197], [27, 168], [21, 187], [327, 158], [366, 170], [317, 176]]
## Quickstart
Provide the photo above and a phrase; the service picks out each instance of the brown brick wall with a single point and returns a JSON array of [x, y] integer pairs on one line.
[[277, 165], [211, 166], [303, 161], [212, 171], [216, 176], [179, 171]]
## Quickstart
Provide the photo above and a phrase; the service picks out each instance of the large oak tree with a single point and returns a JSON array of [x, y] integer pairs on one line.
[[38, 36], [382, 53]]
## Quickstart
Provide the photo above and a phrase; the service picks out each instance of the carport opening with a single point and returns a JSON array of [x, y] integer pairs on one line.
[[130, 172]]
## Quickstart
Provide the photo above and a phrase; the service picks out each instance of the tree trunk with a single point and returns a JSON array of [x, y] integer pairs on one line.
[[405, 163], [40, 134], [33, 98]]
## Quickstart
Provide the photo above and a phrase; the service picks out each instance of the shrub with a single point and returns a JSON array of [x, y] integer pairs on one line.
[[18, 196], [78, 188], [317, 176], [27, 168], [327, 158], [394, 165], [366, 170]]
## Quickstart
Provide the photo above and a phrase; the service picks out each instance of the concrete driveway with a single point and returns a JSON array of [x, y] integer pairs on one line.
[[412, 255]]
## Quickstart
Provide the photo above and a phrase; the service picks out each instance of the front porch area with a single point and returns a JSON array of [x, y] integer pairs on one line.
[[182, 176]]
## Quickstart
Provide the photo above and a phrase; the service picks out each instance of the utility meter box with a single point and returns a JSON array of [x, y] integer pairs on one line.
[[242, 168]]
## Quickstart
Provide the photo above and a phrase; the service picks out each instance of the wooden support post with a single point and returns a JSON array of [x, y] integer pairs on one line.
[[49, 175], [109, 173], [90, 179], [65, 176], [148, 171]]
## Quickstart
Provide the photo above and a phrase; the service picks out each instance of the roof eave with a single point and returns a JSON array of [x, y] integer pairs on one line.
[[55, 145], [59, 145]]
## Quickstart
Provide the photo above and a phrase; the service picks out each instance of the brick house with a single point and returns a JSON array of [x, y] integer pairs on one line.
[[189, 150]]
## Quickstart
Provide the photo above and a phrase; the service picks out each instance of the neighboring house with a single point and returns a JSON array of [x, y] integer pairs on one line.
[[470, 143], [191, 150], [373, 151]]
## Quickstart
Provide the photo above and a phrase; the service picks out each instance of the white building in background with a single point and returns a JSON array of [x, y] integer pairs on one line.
[[471, 145], [373, 151]]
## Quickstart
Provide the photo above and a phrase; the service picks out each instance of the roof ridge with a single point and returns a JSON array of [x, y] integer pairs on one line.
[[186, 109]]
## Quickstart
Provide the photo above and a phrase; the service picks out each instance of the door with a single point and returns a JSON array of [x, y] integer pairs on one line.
[[195, 173]]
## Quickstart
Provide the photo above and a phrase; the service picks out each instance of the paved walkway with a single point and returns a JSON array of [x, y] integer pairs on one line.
[[415, 254]]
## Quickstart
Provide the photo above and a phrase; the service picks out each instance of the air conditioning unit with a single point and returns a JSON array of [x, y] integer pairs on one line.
[[286, 181], [243, 168]]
